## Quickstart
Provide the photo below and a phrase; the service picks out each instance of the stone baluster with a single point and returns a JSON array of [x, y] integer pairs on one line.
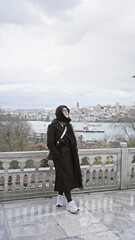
[[6, 167], [84, 177], [98, 180], [105, 176], [103, 173], [50, 163], [29, 182], [109, 176], [90, 179], [36, 181], [96, 177], [14, 182], [102, 176], [43, 181], [115, 173], [124, 165], [21, 165], [37, 165], [114, 177]]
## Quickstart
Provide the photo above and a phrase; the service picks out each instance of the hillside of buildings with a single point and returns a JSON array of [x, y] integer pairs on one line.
[[96, 113]]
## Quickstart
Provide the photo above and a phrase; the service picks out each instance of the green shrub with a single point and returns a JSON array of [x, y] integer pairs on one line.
[[44, 163], [85, 161], [1, 167], [97, 161], [133, 161], [109, 160]]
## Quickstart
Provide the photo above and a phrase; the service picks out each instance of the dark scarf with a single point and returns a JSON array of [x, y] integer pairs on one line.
[[66, 122], [60, 116]]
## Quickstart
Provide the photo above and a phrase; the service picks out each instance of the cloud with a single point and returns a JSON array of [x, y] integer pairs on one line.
[[15, 12], [32, 11], [67, 50], [55, 7]]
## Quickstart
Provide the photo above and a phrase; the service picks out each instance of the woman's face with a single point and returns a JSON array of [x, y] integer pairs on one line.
[[65, 111]]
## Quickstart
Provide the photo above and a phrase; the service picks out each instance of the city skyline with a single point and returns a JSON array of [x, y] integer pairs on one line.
[[96, 113], [60, 52], [77, 106]]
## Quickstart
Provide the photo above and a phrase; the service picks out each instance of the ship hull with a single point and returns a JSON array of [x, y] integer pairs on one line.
[[90, 131]]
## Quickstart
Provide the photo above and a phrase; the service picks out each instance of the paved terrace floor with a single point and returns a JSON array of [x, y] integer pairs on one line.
[[102, 215]]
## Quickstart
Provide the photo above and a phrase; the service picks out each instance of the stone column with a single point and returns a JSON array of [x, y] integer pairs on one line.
[[124, 165]]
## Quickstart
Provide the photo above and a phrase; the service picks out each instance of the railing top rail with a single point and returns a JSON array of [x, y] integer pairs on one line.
[[24, 154], [45, 151], [98, 151], [43, 154]]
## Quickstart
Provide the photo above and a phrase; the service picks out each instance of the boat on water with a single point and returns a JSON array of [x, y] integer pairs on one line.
[[94, 124], [87, 130]]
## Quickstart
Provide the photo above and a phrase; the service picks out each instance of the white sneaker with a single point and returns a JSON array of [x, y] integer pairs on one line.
[[72, 207], [59, 201]]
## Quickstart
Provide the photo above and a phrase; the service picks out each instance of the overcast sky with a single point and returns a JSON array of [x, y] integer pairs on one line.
[[56, 52]]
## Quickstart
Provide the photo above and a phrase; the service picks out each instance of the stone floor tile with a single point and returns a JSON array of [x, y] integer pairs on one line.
[[80, 223], [120, 221], [35, 211], [32, 212], [1, 207], [43, 238], [37, 237], [4, 229], [125, 199], [100, 236], [28, 202], [72, 238], [4, 236], [99, 203], [46, 227]]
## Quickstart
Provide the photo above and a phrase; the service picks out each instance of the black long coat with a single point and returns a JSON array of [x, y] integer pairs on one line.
[[65, 157]]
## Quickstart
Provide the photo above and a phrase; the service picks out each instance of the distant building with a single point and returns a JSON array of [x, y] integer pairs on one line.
[[77, 106], [117, 105]]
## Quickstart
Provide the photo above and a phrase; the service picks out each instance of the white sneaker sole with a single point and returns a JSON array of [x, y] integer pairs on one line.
[[59, 205], [73, 211]]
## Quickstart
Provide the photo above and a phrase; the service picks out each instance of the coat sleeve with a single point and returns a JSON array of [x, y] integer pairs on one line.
[[51, 140]]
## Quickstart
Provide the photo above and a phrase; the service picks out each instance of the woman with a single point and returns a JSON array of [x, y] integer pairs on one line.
[[65, 157]]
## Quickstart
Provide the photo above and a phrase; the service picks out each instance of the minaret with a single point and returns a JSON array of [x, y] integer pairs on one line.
[[77, 106], [117, 105]]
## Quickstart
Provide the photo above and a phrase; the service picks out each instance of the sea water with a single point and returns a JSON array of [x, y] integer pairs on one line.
[[111, 130]]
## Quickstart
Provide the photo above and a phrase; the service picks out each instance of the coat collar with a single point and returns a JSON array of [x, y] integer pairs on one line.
[[57, 125]]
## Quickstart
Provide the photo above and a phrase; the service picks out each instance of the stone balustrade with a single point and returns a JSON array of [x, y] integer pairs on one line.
[[29, 174]]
